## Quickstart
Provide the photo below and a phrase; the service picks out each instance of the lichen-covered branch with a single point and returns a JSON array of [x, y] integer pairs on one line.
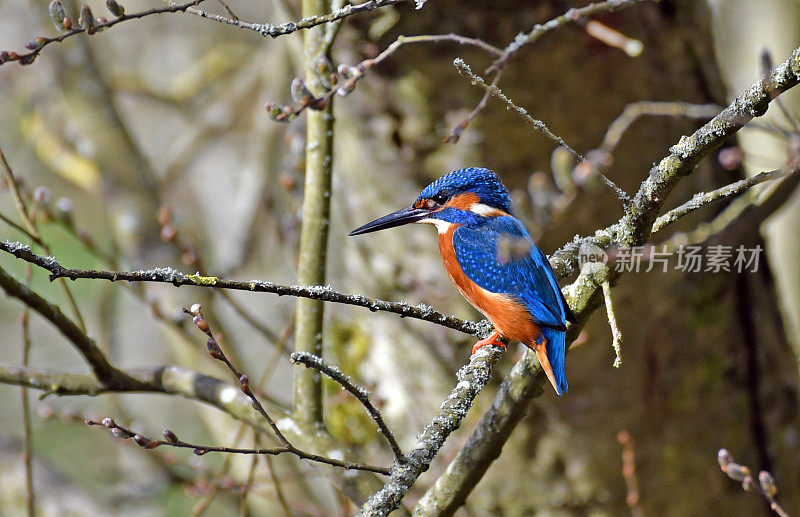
[[317, 292], [585, 294], [309, 20], [703, 198], [471, 380]]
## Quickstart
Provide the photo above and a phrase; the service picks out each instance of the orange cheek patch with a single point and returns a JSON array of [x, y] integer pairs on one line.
[[463, 201]]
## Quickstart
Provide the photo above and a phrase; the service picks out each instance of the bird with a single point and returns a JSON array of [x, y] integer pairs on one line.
[[492, 260]]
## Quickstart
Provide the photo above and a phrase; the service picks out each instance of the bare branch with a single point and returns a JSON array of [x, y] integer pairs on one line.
[[315, 362], [244, 385], [38, 44], [492, 89], [635, 110], [571, 16], [703, 198], [596, 29], [176, 278], [171, 440], [348, 76], [174, 380]]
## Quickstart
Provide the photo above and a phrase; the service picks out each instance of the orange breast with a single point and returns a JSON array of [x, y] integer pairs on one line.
[[509, 317]]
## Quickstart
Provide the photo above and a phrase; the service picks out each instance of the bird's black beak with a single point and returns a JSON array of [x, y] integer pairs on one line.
[[409, 214]]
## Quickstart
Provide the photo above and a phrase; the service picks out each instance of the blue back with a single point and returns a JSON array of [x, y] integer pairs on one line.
[[526, 276]]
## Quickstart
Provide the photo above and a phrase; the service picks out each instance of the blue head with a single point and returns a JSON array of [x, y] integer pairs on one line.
[[465, 196]]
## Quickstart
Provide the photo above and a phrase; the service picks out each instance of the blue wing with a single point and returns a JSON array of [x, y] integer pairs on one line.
[[500, 257]]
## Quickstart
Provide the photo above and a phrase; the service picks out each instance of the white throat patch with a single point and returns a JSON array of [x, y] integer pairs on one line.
[[483, 210], [441, 226]]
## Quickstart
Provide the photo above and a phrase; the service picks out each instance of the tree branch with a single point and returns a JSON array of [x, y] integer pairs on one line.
[[176, 278], [471, 380], [95, 358], [268, 29]]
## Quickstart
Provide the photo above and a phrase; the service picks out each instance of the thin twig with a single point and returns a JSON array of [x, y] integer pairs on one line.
[[455, 134], [616, 344], [597, 30], [26, 410], [537, 124], [20, 229], [315, 362], [765, 485], [635, 110], [176, 278], [30, 223], [171, 440], [249, 483], [277, 485]]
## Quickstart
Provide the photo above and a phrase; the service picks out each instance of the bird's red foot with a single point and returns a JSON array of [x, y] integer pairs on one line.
[[494, 339]]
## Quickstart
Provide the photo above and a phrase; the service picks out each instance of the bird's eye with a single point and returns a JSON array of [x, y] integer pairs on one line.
[[440, 198]]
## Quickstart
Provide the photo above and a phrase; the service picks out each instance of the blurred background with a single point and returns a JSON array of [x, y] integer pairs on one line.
[[150, 141]]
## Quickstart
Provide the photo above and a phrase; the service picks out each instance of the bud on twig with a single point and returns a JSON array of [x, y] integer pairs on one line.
[[57, 14], [170, 437], [724, 458], [201, 323], [64, 209], [213, 348], [767, 483], [244, 381], [86, 20], [324, 72], [115, 9], [300, 92], [36, 43]]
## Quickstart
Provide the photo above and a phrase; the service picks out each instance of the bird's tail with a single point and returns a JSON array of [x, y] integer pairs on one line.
[[553, 360]]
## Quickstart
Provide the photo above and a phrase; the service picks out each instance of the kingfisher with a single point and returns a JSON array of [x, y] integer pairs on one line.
[[490, 257]]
